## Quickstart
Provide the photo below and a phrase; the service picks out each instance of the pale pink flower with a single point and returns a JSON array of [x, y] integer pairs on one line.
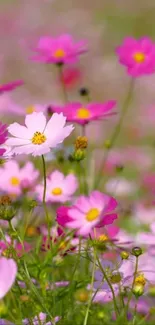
[[38, 136], [120, 186], [12, 177], [60, 188], [8, 271]]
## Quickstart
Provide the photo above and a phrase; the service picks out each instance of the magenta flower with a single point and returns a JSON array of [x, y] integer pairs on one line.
[[59, 50], [8, 271], [59, 187], [3, 137], [10, 86], [97, 210], [84, 113], [137, 55]]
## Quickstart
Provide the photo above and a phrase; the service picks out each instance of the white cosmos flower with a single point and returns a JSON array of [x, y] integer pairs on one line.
[[38, 136]]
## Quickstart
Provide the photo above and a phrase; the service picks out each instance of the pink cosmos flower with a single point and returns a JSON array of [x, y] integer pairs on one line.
[[84, 113], [137, 55], [10, 86], [71, 77], [38, 136], [13, 177], [59, 50], [3, 137], [8, 271], [97, 210], [59, 187], [146, 238]]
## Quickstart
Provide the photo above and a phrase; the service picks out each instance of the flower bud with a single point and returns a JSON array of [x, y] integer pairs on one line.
[[137, 251], [81, 143], [119, 168], [82, 295], [84, 91], [107, 144], [124, 255], [152, 291], [138, 290], [7, 212], [115, 277], [79, 155]]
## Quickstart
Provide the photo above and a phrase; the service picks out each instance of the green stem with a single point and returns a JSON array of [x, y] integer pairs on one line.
[[65, 96], [116, 131], [91, 289], [44, 198], [134, 278], [110, 286]]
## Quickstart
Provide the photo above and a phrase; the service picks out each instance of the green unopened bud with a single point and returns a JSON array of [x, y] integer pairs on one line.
[[137, 251], [115, 277], [119, 168], [124, 255], [10, 252], [3, 309], [33, 204], [107, 144], [79, 155], [82, 295], [152, 310], [7, 212], [138, 290], [101, 315]]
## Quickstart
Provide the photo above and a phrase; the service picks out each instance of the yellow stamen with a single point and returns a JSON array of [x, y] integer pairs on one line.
[[30, 109], [92, 214], [140, 279], [56, 191], [38, 138], [83, 113], [59, 54], [103, 237], [139, 57], [14, 181]]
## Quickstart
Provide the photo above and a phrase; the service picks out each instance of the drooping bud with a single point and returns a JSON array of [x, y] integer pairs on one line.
[[124, 255], [81, 143], [137, 251]]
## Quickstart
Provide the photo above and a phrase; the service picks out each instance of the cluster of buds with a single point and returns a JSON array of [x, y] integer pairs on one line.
[[7, 211], [81, 144]]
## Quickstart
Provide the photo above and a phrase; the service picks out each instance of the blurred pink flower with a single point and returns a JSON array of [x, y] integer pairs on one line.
[[137, 55], [36, 137], [59, 50], [71, 77], [8, 271], [84, 113], [146, 238], [144, 214], [3, 137], [11, 86], [97, 210], [12, 177], [59, 187]]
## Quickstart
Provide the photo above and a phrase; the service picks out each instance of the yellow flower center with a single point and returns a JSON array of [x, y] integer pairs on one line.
[[83, 113], [59, 54], [92, 214], [38, 138], [139, 57], [62, 245], [14, 181], [103, 237], [30, 109], [140, 280], [56, 191]]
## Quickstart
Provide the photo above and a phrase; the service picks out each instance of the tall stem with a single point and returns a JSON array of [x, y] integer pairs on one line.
[[65, 96], [134, 278], [91, 289], [116, 131], [110, 286], [44, 198]]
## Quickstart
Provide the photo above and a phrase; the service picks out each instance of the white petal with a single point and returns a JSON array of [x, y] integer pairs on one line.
[[36, 122]]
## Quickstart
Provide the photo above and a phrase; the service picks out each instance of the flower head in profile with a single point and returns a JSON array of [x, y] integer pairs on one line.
[[137, 55], [85, 113], [38, 136], [59, 50], [10, 86], [59, 187], [8, 271], [15, 179], [3, 137], [96, 210]]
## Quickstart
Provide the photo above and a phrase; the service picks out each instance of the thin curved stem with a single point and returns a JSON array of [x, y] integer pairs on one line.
[[44, 197], [130, 296], [116, 131], [65, 96]]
